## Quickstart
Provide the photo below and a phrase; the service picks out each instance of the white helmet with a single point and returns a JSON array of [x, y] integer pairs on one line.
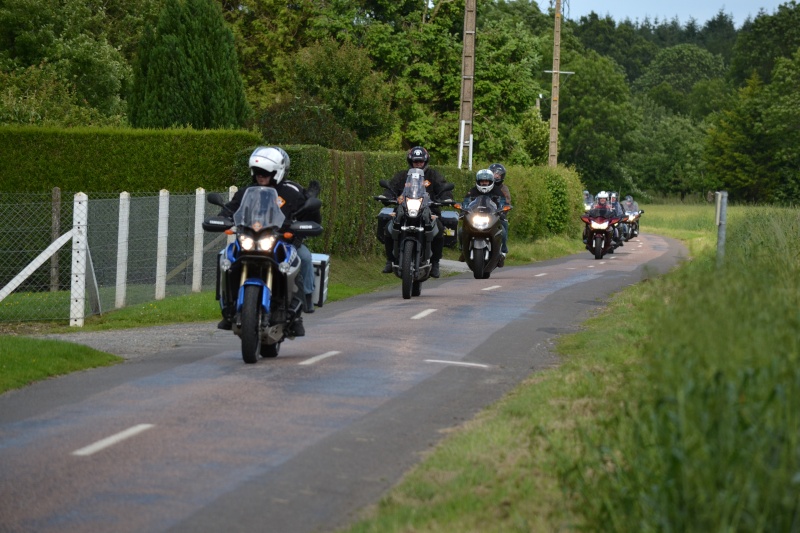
[[269, 159], [484, 175], [602, 194]]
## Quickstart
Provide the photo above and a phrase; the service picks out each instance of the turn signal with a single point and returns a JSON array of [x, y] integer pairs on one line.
[[229, 231], [288, 235]]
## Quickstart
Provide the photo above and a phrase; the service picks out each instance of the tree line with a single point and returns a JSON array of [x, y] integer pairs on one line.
[[654, 107]]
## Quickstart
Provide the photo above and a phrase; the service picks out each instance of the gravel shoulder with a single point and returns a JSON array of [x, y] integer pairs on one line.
[[139, 342]]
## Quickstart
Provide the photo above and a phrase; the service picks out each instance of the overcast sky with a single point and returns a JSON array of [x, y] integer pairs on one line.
[[701, 10]]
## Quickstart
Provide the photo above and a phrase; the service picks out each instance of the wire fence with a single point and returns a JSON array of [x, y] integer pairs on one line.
[[30, 223]]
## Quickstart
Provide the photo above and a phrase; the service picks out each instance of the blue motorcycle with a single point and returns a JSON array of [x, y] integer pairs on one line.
[[258, 271]]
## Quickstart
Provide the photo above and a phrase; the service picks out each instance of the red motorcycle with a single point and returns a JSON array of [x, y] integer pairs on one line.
[[600, 231]]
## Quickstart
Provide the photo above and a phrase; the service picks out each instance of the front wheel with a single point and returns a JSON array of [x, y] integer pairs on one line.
[[416, 288], [478, 263], [599, 241], [408, 278], [251, 322]]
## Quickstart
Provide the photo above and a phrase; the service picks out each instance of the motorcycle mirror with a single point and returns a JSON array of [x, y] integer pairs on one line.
[[216, 198], [641, 212]]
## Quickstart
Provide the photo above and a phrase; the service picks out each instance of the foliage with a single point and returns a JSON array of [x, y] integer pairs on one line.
[[37, 96], [595, 116], [69, 37], [112, 160], [709, 413], [505, 90], [187, 71], [737, 151], [666, 152], [341, 78], [761, 42], [669, 79]]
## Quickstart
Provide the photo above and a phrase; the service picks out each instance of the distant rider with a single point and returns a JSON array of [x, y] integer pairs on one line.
[[268, 167], [499, 172], [418, 157], [486, 185]]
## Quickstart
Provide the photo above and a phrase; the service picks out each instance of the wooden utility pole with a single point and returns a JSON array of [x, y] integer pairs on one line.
[[553, 158], [467, 83]]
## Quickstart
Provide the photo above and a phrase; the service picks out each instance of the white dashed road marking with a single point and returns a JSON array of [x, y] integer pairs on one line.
[[112, 440], [423, 314], [318, 358], [456, 363], [493, 287]]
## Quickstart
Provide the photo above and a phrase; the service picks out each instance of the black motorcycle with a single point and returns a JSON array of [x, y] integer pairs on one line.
[[412, 228], [258, 271], [481, 235]]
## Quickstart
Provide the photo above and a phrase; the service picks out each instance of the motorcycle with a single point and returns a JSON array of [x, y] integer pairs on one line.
[[600, 230], [481, 235], [630, 224], [258, 270], [412, 228]]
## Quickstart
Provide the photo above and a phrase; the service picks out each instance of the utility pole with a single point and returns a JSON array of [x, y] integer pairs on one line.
[[553, 157], [467, 83]]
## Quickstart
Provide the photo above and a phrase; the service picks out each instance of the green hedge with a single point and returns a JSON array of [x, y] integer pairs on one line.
[[546, 200], [36, 159]]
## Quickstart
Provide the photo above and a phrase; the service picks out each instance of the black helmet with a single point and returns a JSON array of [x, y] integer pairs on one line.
[[418, 153], [499, 172]]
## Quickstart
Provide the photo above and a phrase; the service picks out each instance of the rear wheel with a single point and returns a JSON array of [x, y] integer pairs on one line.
[[599, 240], [251, 320], [408, 278], [478, 263], [270, 350]]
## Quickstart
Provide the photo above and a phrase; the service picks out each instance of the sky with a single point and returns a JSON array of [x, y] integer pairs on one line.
[[701, 10]]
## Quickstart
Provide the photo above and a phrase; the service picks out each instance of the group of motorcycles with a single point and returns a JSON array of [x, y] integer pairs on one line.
[[607, 230], [258, 269], [413, 228]]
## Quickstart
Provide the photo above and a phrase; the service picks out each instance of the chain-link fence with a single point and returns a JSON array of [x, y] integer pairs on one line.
[[122, 263]]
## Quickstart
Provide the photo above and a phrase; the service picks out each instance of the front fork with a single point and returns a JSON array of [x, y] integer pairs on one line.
[[266, 295]]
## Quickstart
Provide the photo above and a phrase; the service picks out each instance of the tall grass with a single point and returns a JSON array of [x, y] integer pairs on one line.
[[707, 436]]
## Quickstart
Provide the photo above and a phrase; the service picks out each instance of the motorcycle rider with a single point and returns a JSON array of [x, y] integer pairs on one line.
[[418, 157], [486, 185], [601, 202], [631, 206], [616, 207], [499, 172], [268, 166]]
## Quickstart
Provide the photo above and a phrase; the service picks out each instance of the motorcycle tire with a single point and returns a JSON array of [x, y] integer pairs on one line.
[[268, 351], [408, 275], [627, 234], [416, 288], [599, 240], [478, 264], [251, 321]]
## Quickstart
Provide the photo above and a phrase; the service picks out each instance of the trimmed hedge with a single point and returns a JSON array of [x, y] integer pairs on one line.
[[546, 200], [36, 159]]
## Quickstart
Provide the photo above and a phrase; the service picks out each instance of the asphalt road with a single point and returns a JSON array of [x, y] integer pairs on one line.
[[192, 439]]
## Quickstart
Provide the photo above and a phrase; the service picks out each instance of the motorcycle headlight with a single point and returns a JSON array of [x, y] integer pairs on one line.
[[598, 225], [479, 221], [247, 243], [413, 205], [266, 243]]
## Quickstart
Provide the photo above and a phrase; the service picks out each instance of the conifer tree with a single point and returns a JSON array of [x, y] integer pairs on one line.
[[186, 72]]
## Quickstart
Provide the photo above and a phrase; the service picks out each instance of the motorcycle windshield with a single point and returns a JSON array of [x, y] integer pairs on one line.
[[604, 212], [415, 186], [259, 209], [482, 204]]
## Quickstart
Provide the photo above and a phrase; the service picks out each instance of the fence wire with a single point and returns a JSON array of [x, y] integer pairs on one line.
[[31, 222]]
